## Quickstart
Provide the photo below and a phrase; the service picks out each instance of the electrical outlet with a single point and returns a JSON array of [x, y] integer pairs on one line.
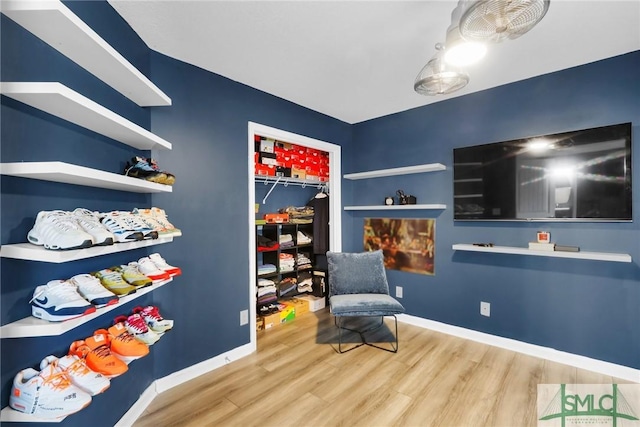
[[244, 317], [485, 308], [398, 291]]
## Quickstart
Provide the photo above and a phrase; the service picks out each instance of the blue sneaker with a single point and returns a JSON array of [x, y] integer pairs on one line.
[[59, 300]]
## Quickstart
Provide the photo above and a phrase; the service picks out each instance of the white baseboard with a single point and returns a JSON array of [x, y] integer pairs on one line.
[[582, 362], [172, 380]]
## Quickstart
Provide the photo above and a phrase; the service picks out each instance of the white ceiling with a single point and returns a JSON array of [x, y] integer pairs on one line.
[[357, 60]]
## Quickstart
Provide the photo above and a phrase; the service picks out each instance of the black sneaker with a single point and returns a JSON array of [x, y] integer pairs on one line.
[[139, 168], [170, 178]]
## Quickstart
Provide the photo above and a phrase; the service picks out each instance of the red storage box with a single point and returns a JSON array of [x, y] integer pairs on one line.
[[276, 218]]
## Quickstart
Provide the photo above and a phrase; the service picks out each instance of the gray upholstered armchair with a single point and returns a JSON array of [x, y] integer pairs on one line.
[[358, 288]]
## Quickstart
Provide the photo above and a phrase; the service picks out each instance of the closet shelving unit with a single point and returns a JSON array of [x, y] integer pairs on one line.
[[407, 170], [59, 27], [595, 256]]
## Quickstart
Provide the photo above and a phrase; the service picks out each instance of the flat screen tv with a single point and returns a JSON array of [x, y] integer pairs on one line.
[[582, 175]]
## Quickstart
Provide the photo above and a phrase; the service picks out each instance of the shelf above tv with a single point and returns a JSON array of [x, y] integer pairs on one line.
[[30, 252], [79, 175], [58, 26], [34, 327], [395, 207], [58, 100], [596, 256], [430, 167]]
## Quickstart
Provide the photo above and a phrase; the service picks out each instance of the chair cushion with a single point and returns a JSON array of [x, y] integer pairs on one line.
[[355, 273], [364, 305]]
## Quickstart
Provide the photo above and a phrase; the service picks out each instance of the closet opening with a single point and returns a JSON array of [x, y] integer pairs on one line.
[[296, 182]]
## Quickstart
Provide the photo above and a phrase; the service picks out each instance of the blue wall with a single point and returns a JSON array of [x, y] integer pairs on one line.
[[591, 308]]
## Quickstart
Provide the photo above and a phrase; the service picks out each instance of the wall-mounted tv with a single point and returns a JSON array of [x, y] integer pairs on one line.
[[582, 175]]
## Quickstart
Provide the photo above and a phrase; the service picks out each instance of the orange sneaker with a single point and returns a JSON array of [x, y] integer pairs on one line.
[[95, 350], [123, 345]]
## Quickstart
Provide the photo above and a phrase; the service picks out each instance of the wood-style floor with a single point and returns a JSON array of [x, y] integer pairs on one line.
[[297, 379]]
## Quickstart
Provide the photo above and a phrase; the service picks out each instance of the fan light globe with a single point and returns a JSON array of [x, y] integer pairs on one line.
[[464, 53], [436, 78]]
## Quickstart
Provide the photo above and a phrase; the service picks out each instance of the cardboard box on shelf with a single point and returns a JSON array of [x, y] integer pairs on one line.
[[267, 145], [314, 303], [300, 306], [298, 173], [271, 320]]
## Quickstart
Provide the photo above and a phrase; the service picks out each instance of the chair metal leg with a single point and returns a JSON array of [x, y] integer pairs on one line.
[[338, 323]]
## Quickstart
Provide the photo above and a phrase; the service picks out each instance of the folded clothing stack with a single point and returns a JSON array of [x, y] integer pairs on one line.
[[305, 282], [288, 287], [286, 241], [266, 269], [303, 239], [266, 291], [299, 215], [287, 263], [265, 244], [303, 262]]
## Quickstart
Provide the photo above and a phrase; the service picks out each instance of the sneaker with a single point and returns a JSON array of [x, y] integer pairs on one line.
[[149, 269], [46, 394], [137, 327], [153, 319], [133, 276], [135, 223], [155, 225], [160, 216], [90, 222], [169, 230], [121, 229], [79, 373], [57, 301], [99, 358], [89, 288], [140, 168], [114, 282], [122, 344], [57, 230], [170, 178], [162, 265]]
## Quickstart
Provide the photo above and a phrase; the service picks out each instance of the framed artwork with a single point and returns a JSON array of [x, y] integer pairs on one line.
[[407, 244]]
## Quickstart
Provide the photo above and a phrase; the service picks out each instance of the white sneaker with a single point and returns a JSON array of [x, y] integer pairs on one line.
[[153, 223], [59, 300], [137, 327], [135, 223], [161, 216], [121, 229], [153, 319], [81, 376], [162, 265], [58, 230], [46, 394], [90, 223], [90, 288], [149, 269]]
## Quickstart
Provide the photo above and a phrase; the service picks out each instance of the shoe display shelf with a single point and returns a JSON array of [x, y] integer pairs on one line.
[[34, 327], [58, 26], [407, 170], [594, 256], [30, 252], [9, 415], [60, 101], [68, 173]]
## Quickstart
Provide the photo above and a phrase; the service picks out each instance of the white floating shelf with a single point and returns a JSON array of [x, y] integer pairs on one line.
[[431, 167], [596, 256], [30, 252], [34, 327], [9, 415], [80, 175], [394, 207], [59, 27], [57, 99]]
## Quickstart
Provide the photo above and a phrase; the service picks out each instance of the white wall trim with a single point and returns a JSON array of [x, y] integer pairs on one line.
[[335, 201], [582, 362], [179, 377]]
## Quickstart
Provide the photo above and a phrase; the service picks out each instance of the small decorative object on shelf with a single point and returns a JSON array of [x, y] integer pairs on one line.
[[544, 237], [389, 201], [406, 199]]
